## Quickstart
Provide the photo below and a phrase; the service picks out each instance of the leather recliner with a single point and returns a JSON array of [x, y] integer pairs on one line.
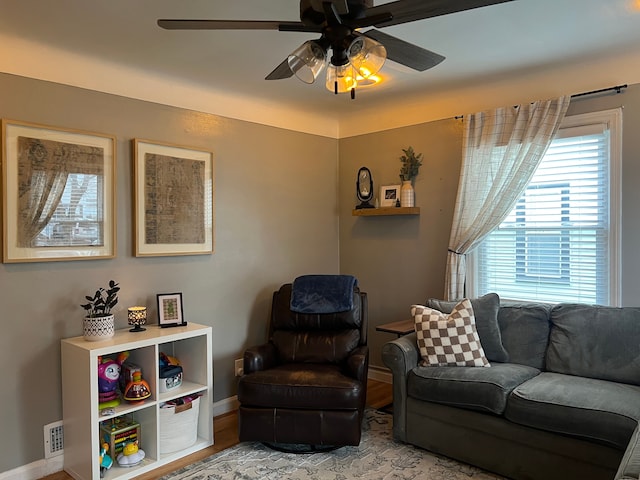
[[308, 384]]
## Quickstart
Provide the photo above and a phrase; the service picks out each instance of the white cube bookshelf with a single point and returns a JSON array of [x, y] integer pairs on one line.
[[190, 344]]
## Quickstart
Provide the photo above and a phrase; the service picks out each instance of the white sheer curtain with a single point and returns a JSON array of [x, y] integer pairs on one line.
[[42, 176], [501, 150]]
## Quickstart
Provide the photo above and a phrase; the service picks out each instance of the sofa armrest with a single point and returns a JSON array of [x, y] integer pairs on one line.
[[259, 357], [400, 356], [630, 465]]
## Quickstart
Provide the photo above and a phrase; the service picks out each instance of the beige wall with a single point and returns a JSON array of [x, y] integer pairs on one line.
[[399, 260], [276, 204]]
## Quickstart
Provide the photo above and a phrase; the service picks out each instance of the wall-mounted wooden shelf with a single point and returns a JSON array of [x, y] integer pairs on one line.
[[372, 212]]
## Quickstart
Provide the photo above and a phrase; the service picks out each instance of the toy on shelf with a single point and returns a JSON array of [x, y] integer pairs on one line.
[[170, 373], [108, 375], [126, 374], [106, 461], [118, 432], [131, 455], [167, 360], [137, 390]]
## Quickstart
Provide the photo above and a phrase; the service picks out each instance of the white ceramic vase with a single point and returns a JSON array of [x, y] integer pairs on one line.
[[407, 197], [98, 328]]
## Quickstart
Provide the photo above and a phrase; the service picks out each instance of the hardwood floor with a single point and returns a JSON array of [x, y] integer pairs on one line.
[[225, 428]]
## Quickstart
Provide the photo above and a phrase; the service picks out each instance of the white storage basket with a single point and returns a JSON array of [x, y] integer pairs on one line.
[[178, 429]]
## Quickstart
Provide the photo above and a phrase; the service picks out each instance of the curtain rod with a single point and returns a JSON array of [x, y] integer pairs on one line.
[[617, 88]]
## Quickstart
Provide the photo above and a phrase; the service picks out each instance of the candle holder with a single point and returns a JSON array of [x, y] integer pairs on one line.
[[137, 316]]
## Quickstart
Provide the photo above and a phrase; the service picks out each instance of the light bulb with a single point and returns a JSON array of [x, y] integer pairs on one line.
[[341, 78]]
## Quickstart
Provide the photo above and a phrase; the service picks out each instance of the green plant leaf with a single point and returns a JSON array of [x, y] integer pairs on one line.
[[102, 301]]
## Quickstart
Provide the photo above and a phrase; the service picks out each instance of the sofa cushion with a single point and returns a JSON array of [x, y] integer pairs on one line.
[[485, 309], [484, 389], [596, 342], [448, 339], [301, 385], [596, 410], [525, 332]]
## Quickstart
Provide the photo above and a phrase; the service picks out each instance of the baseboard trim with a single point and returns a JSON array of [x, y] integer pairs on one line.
[[225, 405], [35, 470], [380, 374], [44, 467]]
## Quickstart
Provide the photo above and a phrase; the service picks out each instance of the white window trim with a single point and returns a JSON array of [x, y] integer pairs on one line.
[[613, 119]]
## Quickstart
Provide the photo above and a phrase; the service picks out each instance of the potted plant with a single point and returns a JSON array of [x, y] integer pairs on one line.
[[411, 163], [99, 321]]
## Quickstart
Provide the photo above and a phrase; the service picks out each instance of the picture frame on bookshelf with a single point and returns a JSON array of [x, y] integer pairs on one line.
[[170, 310]]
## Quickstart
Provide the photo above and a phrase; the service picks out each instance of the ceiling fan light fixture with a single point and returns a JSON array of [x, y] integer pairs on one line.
[[366, 55], [341, 78], [307, 61], [368, 81]]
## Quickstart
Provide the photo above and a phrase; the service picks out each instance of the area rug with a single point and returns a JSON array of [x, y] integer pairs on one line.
[[378, 457]]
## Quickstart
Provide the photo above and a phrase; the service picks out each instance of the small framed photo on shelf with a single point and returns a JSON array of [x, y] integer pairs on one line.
[[170, 310], [389, 195]]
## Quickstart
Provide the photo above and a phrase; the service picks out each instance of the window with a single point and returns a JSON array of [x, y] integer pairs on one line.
[[560, 241], [77, 220], [542, 254]]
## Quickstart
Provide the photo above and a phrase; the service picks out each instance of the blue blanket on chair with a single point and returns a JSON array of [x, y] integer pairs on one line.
[[323, 293]]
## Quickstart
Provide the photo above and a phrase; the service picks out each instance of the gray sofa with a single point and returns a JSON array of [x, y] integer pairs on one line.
[[561, 399]]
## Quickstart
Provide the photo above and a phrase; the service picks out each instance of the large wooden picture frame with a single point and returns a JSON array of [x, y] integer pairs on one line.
[[173, 199], [58, 189]]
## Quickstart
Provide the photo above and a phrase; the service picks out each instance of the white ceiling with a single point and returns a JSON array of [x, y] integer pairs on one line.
[[490, 45]]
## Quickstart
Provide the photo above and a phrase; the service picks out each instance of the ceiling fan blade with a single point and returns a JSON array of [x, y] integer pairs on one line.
[[405, 53], [280, 72], [371, 20], [171, 24], [404, 11]]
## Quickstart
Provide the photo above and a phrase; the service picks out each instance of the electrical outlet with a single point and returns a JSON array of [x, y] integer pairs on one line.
[[238, 367]]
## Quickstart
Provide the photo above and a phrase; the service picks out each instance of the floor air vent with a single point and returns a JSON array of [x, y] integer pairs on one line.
[[53, 439]]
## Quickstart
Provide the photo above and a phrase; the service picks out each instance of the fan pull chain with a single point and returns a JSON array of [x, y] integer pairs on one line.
[[335, 90]]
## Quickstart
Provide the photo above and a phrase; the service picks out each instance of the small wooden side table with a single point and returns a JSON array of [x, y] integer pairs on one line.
[[400, 328]]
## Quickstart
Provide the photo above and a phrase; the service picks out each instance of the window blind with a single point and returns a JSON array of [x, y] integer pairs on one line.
[[78, 217], [554, 244]]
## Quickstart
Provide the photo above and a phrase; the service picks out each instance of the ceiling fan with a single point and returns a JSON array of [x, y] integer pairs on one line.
[[355, 55]]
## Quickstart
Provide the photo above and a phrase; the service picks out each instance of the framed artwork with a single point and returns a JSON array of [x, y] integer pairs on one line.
[[389, 195], [170, 310], [58, 190], [173, 199]]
